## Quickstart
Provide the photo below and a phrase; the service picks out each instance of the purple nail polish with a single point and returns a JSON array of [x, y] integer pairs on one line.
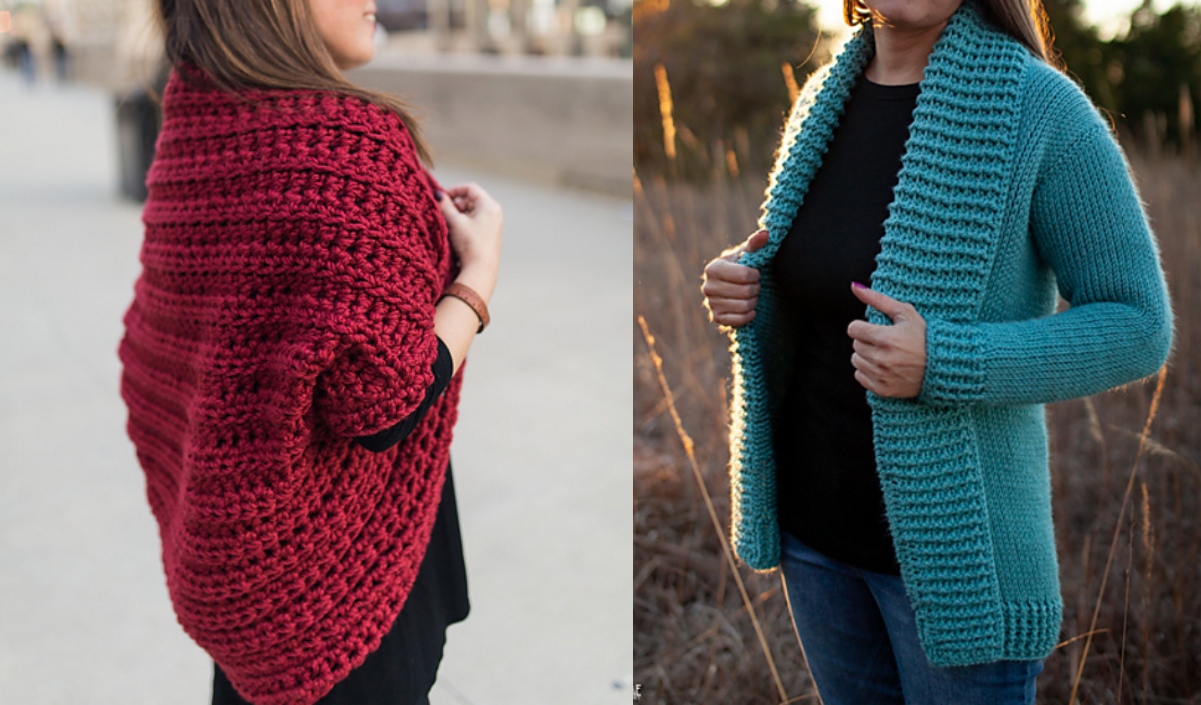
[[857, 285]]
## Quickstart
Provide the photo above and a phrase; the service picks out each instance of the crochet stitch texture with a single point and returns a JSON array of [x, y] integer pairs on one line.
[[292, 259], [1011, 189]]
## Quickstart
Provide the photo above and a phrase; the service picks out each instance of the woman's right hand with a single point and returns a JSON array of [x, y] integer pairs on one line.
[[731, 290], [475, 221]]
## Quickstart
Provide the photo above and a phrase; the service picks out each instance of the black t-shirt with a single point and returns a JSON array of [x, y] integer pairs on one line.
[[829, 492]]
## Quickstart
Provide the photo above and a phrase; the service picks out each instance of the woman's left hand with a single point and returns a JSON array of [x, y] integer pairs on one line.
[[889, 360]]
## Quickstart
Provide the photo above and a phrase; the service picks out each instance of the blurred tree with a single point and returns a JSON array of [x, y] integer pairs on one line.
[[1081, 52], [1155, 67], [1141, 78], [723, 64]]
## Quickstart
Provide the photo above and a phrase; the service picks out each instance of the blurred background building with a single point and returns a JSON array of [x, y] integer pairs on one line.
[[555, 75], [124, 28]]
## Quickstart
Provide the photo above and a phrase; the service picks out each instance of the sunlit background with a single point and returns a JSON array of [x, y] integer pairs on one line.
[[1111, 17], [729, 70], [712, 85]]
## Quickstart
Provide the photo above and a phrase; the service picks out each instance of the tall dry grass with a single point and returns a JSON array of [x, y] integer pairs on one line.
[[694, 635]]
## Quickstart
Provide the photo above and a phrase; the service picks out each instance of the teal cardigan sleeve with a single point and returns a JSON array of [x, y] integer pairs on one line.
[[1089, 226]]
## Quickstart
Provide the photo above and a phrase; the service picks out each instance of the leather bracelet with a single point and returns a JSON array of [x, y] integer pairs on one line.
[[467, 295]]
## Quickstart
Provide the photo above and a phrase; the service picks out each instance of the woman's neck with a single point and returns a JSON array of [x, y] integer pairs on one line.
[[901, 53]]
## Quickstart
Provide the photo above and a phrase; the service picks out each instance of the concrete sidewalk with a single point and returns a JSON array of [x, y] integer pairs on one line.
[[541, 453]]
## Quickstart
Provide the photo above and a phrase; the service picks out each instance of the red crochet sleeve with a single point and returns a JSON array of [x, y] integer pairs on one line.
[[383, 351], [386, 257]]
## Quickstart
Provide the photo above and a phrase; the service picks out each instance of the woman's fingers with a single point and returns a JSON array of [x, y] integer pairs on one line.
[[725, 270], [875, 376], [476, 223], [865, 349], [467, 190], [864, 331], [471, 198], [757, 240], [868, 383], [732, 318], [473, 201], [896, 310], [753, 242], [731, 312], [721, 289], [737, 306], [732, 290], [889, 360], [865, 364], [451, 211]]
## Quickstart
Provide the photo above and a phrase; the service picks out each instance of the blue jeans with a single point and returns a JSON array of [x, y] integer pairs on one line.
[[860, 638]]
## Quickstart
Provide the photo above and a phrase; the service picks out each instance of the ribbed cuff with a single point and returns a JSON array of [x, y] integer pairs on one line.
[[954, 364], [1031, 628]]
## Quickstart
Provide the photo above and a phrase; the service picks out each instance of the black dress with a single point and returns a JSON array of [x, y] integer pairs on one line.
[[402, 670]]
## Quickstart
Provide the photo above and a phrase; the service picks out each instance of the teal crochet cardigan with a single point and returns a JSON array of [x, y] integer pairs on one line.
[[1011, 189]]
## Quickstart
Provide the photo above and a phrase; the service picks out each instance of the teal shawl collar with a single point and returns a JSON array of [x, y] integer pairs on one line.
[[939, 243]]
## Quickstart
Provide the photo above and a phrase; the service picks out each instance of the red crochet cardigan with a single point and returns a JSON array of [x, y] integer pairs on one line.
[[293, 256]]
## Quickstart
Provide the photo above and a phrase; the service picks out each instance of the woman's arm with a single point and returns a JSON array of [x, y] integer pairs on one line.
[[1088, 223], [475, 221]]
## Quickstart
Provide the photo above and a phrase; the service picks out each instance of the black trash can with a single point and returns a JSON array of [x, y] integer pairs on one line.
[[138, 123]]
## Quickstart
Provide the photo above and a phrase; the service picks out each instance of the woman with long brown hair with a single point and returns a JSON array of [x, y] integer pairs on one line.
[[291, 357], [889, 442]]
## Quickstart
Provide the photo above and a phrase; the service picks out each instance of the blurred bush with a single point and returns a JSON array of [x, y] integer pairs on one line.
[[1149, 79], [723, 66], [1156, 70]]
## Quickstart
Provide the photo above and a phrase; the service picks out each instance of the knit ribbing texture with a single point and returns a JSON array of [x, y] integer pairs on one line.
[[292, 259], [1011, 188]]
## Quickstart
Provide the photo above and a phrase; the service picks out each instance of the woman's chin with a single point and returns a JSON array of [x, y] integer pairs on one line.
[[347, 63], [911, 16]]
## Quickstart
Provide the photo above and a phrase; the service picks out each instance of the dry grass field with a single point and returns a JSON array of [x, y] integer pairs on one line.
[[1128, 522]]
